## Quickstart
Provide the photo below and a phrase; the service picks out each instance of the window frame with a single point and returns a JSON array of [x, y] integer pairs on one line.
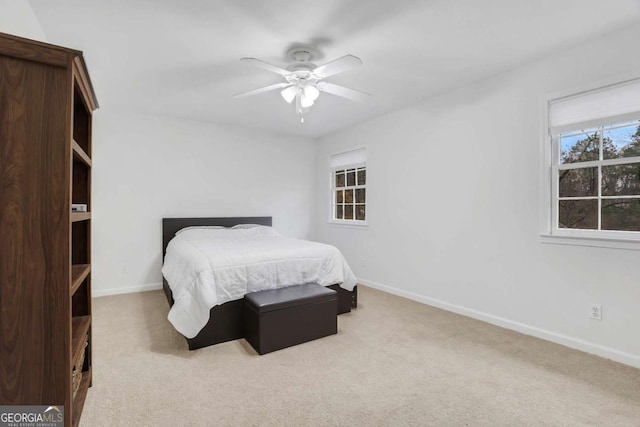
[[550, 232], [332, 191]]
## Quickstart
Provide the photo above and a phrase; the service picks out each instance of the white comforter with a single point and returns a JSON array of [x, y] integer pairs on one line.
[[207, 267]]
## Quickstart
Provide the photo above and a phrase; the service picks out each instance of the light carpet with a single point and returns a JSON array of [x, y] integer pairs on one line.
[[393, 362]]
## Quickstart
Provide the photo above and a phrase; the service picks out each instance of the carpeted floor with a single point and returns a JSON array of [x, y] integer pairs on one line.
[[393, 362]]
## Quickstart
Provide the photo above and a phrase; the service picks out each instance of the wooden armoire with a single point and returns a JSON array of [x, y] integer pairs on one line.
[[46, 105]]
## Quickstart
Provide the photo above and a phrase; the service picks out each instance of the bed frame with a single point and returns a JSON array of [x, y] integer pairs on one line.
[[226, 321]]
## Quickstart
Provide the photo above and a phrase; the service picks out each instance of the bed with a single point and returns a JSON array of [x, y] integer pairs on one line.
[[225, 321]]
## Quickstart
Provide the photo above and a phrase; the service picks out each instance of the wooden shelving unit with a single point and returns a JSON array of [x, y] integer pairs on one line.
[[45, 249]]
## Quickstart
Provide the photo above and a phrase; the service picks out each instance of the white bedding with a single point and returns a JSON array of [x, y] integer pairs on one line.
[[208, 267]]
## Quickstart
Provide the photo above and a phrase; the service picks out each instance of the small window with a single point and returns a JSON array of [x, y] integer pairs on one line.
[[350, 194], [348, 174]]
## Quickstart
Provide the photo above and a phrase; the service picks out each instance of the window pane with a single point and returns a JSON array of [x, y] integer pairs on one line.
[[621, 180], [578, 182], [339, 196], [621, 214], [360, 212], [351, 177], [621, 142], [348, 212], [339, 211], [348, 196], [580, 147], [362, 176], [360, 196], [578, 214], [340, 179]]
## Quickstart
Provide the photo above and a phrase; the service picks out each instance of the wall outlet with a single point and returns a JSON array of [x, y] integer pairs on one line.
[[596, 311], [124, 269]]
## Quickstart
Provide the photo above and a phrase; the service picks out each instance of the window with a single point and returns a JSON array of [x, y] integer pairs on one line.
[[348, 176], [598, 178], [595, 163]]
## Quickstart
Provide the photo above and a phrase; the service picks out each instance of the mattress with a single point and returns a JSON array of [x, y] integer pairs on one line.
[[208, 266]]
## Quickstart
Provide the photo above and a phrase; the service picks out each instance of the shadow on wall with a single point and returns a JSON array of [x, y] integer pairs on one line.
[[475, 93], [154, 271]]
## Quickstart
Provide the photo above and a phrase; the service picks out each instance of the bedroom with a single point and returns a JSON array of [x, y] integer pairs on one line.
[[453, 135]]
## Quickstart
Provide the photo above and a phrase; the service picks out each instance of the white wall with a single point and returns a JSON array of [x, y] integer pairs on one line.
[[17, 18], [453, 207], [149, 167]]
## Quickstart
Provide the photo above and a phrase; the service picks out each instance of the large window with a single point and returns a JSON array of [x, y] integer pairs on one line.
[[348, 174], [598, 178], [595, 163]]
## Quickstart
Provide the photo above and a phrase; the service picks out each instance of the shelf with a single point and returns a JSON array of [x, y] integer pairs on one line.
[[81, 395], [79, 272], [80, 216], [81, 154], [79, 330]]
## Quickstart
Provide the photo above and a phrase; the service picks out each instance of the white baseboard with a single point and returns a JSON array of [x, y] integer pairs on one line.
[[126, 290], [571, 342]]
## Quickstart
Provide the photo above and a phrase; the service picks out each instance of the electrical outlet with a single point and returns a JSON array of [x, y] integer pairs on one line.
[[124, 269], [596, 311]]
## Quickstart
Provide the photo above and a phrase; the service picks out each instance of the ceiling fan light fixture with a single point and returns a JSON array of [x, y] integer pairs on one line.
[[305, 101], [289, 93], [311, 92]]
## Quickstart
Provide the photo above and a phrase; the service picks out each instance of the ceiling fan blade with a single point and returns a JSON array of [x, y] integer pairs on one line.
[[266, 66], [262, 90], [345, 92], [345, 63]]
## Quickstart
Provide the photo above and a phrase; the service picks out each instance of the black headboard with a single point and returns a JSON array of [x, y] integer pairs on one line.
[[170, 226]]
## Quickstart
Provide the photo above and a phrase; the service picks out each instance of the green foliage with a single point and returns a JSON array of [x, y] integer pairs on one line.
[[584, 150]]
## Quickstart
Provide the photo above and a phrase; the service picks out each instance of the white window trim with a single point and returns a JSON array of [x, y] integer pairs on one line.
[[548, 230], [348, 223]]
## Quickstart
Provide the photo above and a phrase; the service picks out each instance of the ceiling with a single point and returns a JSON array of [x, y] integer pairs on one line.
[[182, 58]]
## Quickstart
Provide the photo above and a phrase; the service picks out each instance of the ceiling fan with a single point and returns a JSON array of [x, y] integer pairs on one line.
[[305, 80]]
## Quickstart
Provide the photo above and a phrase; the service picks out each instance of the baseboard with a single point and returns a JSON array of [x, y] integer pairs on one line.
[[126, 290], [571, 342]]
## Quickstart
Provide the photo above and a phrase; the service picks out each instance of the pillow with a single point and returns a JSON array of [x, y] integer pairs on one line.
[[193, 227], [262, 230], [217, 232], [247, 226]]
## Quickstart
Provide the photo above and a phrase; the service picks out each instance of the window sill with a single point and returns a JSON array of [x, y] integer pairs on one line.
[[596, 242], [359, 225]]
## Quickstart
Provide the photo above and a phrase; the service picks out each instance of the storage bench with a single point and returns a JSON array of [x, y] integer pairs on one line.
[[278, 318]]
